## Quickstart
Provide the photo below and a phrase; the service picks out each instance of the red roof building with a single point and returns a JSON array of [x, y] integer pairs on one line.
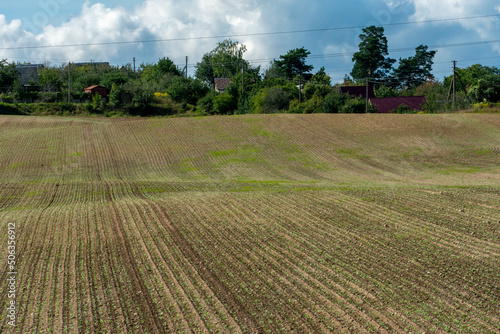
[[390, 104], [96, 89], [220, 84], [385, 104]]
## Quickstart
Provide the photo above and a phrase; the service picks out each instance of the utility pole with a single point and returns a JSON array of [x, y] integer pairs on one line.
[[452, 85], [134, 64], [187, 66], [366, 104], [242, 79], [367, 90], [69, 82]]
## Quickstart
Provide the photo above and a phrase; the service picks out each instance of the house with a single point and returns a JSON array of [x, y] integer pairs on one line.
[[220, 84], [29, 73], [389, 104], [96, 89], [384, 104]]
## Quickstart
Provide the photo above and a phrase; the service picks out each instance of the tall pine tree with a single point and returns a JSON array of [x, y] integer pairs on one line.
[[372, 61], [415, 71]]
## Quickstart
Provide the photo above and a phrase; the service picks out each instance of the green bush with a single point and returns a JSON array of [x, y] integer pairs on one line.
[[404, 109], [385, 91], [271, 100], [206, 103], [314, 104], [356, 106], [51, 96], [10, 109], [224, 104], [487, 88], [319, 89], [295, 107], [333, 102], [7, 97], [187, 90]]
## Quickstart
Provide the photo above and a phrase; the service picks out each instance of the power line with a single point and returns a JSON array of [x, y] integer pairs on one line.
[[245, 35]]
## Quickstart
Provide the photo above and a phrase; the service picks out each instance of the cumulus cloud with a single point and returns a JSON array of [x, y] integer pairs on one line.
[[165, 19], [96, 24], [11, 32], [484, 28], [182, 25]]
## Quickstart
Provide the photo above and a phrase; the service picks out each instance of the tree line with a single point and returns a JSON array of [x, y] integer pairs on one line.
[[288, 84]]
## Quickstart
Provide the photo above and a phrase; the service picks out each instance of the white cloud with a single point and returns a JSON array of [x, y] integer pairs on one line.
[[8, 28], [95, 24], [166, 19], [184, 24], [149, 20], [485, 28]]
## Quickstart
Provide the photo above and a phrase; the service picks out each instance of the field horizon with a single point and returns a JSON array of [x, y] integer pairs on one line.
[[251, 223]]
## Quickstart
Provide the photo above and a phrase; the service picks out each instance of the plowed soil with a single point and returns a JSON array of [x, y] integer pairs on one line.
[[252, 224]]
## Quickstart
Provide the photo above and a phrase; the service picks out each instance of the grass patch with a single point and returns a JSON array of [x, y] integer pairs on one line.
[[454, 170]]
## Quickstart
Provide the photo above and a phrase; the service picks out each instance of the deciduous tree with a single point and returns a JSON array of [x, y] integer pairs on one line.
[[8, 75], [225, 61], [155, 72]]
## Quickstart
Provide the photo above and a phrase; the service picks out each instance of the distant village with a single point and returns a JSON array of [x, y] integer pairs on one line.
[[29, 78]]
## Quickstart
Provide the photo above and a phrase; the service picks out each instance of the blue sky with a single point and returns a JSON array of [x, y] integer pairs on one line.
[[190, 25]]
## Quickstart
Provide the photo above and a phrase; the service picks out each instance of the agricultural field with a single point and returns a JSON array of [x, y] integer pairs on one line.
[[251, 224]]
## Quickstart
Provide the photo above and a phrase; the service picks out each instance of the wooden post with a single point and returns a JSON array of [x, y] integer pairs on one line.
[[454, 83], [69, 82], [366, 106]]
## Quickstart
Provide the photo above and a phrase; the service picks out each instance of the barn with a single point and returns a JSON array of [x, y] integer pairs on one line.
[[390, 104]]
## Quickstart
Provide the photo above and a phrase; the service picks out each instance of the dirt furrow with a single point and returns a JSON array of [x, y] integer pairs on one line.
[[166, 228], [151, 261], [116, 293], [422, 284], [285, 255], [415, 226], [53, 292], [259, 263], [237, 309], [141, 297], [305, 240], [471, 288], [483, 247], [226, 263], [33, 259], [240, 260], [68, 321]]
